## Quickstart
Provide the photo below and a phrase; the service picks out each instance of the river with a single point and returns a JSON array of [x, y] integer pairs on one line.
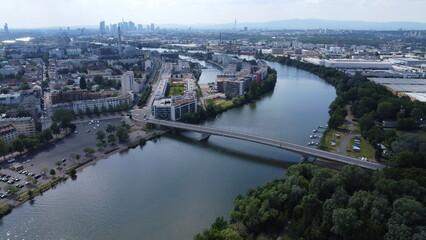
[[175, 187]]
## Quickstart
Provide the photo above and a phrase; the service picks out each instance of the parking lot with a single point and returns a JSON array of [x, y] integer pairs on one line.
[[62, 150]]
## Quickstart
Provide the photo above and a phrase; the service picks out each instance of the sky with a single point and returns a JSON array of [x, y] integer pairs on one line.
[[54, 13]]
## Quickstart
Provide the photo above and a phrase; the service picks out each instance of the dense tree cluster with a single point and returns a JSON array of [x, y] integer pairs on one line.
[[316, 203], [145, 96]]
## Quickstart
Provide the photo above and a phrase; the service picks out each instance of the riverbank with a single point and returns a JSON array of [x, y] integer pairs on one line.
[[308, 203], [138, 138]]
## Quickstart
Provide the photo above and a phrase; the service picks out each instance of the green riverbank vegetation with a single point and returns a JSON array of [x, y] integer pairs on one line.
[[255, 92]]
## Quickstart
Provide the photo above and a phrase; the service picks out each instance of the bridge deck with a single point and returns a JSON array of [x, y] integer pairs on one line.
[[270, 142]]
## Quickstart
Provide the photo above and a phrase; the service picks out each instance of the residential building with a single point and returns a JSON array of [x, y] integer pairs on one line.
[[127, 82], [13, 99], [8, 132], [25, 125], [83, 105]]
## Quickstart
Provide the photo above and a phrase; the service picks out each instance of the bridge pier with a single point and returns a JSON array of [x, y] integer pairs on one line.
[[204, 137]]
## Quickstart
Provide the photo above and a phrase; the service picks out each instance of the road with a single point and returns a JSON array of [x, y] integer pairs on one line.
[[303, 150]]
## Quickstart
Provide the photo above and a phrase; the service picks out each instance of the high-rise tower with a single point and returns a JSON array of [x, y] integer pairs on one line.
[[6, 28], [102, 27], [119, 41]]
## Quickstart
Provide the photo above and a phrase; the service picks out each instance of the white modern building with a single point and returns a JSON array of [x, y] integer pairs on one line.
[[127, 82], [173, 108]]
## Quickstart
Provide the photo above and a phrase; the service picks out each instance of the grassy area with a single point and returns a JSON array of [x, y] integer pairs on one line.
[[367, 150], [328, 136], [5, 210], [176, 89], [225, 104]]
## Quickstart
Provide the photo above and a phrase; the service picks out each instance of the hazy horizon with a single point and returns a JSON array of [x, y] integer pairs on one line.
[[26, 14]]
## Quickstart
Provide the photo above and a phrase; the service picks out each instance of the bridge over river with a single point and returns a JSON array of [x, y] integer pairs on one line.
[[303, 150]]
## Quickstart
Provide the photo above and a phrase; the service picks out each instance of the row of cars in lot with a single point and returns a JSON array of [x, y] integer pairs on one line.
[[16, 180]]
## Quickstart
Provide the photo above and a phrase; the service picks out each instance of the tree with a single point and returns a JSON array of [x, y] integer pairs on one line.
[[406, 124], [366, 122], [99, 144], [88, 111], [12, 189], [55, 129], [4, 147], [73, 172], [122, 133], [83, 84], [111, 108], [30, 194], [346, 223], [63, 117], [77, 156], [52, 172], [96, 110], [80, 112], [112, 139], [110, 128], [253, 91], [58, 163], [45, 135], [354, 178], [88, 150], [104, 109], [335, 121], [416, 114], [72, 127], [17, 144], [31, 179], [100, 135], [385, 110]]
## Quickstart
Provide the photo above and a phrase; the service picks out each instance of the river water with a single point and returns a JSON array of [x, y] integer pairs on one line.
[[176, 186]]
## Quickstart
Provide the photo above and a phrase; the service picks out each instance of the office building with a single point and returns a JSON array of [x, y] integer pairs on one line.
[[102, 27], [173, 108], [6, 28]]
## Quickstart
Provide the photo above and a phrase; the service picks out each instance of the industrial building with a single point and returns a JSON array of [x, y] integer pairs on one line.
[[412, 87]]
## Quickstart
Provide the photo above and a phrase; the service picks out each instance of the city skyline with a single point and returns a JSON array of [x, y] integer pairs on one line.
[[190, 12]]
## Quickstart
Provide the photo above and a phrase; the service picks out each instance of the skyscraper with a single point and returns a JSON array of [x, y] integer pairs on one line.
[[127, 82], [102, 27], [152, 27], [132, 26], [6, 28], [119, 41]]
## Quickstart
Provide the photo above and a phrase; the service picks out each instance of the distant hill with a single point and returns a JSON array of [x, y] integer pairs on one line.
[[315, 24]]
